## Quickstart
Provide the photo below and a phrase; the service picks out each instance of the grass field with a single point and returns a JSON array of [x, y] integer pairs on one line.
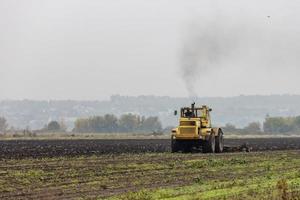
[[259, 175]]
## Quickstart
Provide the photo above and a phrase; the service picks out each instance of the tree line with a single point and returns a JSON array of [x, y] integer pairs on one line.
[[282, 124], [126, 123], [130, 123], [273, 125]]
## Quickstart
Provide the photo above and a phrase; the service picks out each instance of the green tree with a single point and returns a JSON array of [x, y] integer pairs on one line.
[[96, 124], [53, 126], [129, 123], [110, 123], [278, 125], [3, 124], [151, 124]]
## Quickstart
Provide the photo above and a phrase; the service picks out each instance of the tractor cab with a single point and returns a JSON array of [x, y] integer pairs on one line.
[[193, 114]]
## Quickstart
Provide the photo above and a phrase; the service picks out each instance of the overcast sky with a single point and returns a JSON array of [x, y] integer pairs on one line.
[[79, 49]]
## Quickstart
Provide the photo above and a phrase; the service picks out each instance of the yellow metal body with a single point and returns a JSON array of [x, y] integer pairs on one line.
[[194, 124]]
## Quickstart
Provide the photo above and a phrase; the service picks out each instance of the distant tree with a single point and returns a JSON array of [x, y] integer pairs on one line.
[[278, 125], [229, 128], [129, 123], [151, 124], [96, 124], [110, 123], [53, 126], [253, 127], [81, 125], [3, 124]]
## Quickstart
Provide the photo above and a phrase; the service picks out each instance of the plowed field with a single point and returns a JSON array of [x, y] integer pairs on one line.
[[54, 148]]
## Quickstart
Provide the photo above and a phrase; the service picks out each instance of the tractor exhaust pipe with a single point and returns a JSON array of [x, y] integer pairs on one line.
[[193, 107]]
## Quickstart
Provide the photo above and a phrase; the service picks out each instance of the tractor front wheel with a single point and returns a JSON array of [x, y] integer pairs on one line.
[[174, 145], [209, 146]]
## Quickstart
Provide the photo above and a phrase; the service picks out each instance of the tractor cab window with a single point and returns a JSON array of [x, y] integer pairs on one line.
[[189, 113]]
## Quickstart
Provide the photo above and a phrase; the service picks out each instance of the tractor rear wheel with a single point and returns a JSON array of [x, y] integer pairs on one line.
[[210, 144], [219, 142]]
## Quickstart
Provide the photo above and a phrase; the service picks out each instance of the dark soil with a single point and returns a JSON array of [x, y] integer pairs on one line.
[[52, 148]]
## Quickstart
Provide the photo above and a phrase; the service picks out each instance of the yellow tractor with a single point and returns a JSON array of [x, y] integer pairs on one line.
[[195, 131]]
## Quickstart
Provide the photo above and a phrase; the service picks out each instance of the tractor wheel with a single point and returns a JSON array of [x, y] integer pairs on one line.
[[219, 142], [209, 146], [174, 145], [187, 148]]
